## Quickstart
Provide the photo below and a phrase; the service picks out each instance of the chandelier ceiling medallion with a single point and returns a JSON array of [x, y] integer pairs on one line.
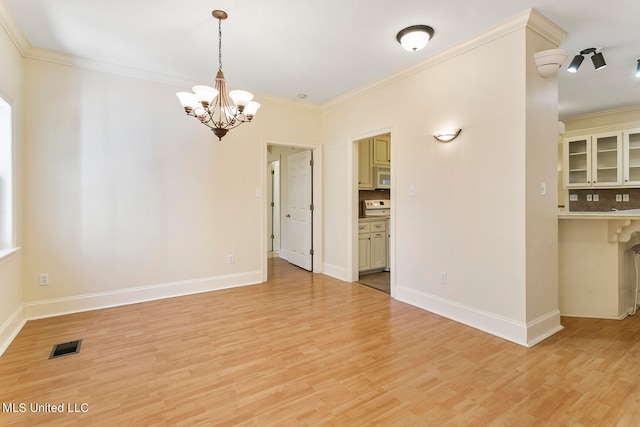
[[211, 105]]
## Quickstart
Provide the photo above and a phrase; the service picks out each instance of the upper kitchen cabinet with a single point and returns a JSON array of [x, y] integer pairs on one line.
[[607, 159], [632, 157], [365, 171], [594, 160], [374, 151], [382, 150]]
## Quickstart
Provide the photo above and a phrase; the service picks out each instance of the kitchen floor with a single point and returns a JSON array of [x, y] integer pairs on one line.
[[380, 281]]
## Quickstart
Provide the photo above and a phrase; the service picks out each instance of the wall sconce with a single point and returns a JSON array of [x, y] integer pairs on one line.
[[549, 61], [638, 68], [597, 58], [447, 135]]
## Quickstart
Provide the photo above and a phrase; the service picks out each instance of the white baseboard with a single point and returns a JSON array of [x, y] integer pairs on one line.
[[543, 327], [87, 302], [520, 333], [595, 316], [11, 327], [335, 272]]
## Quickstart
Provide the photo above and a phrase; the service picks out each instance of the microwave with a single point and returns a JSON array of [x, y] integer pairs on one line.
[[381, 177]]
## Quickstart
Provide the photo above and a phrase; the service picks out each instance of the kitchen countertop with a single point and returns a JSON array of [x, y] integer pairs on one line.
[[372, 218], [633, 214]]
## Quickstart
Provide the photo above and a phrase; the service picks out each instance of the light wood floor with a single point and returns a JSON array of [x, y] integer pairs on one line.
[[305, 349]]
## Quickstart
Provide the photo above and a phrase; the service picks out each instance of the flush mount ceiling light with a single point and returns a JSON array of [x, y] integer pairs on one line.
[[415, 37], [596, 58], [447, 135], [212, 106]]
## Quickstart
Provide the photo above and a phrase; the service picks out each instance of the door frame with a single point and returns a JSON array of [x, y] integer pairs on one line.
[[316, 232], [353, 208]]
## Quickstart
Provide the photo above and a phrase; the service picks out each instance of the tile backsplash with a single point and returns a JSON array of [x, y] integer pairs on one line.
[[604, 199]]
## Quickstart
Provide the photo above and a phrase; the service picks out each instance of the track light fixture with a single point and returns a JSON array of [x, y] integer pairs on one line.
[[596, 58]]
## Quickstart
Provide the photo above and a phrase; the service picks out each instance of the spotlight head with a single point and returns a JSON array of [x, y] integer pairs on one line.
[[598, 61], [575, 64]]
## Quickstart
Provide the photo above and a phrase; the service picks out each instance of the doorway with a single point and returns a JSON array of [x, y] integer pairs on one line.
[[292, 225], [371, 245]]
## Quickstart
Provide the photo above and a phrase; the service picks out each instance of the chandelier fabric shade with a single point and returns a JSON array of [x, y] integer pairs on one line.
[[213, 106]]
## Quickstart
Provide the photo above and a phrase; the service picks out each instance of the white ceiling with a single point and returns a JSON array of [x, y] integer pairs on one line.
[[324, 48]]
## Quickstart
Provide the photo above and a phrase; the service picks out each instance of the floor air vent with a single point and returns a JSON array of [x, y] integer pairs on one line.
[[64, 349]]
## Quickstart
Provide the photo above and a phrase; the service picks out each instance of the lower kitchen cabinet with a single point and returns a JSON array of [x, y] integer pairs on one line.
[[364, 252], [372, 246]]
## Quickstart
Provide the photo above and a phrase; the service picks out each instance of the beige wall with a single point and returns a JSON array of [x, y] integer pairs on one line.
[[124, 191], [477, 199], [127, 199], [541, 169], [11, 82]]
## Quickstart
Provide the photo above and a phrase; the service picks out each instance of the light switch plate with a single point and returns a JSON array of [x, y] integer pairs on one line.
[[574, 197], [589, 197], [625, 197]]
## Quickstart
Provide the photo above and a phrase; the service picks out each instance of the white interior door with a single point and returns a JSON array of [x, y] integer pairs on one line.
[[299, 210]]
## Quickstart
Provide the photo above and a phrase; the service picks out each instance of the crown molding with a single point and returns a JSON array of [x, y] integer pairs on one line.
[[629, 109], [547, 29], [13, 31], [529, 18]]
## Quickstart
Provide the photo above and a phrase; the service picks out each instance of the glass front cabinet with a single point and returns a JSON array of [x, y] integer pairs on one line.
[[632, 157], [595, 160]]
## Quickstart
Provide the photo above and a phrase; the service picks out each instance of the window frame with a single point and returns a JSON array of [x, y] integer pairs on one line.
[[8, 244]]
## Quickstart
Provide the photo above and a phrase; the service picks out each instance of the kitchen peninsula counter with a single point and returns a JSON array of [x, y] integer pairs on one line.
[[596, 276]]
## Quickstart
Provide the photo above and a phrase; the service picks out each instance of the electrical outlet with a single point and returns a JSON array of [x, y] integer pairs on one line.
[[412, 190], [618, 197], [543, 188], [596, 198], [589, 198], [625, 197], [574, 197], [44, 279], [443, 277], [230, 259]]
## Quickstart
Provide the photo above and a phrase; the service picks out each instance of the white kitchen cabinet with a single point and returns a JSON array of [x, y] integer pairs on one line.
[[593, 160], [372, 246], [365, 171], [378, 251], [374, 151], [382, 150], [631, 157], [364, 252]]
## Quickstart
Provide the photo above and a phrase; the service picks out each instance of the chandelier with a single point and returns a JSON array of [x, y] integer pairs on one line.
[[211, 105]]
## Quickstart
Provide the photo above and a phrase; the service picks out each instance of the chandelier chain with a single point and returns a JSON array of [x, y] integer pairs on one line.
[[219, 44]]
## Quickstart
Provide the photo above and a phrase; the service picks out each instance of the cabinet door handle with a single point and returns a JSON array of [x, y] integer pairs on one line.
[[288, 216]]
